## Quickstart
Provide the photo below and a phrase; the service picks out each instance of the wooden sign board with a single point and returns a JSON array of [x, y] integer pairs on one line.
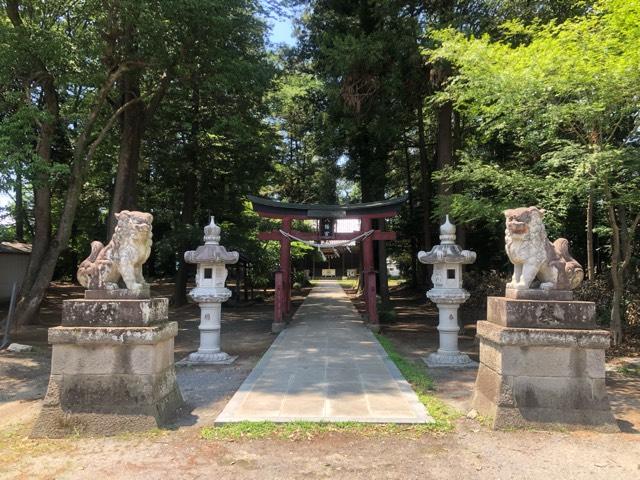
[[326, 227]]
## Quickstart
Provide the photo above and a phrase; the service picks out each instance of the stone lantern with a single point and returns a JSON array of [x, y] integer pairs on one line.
[[447, 293], [209, 293]]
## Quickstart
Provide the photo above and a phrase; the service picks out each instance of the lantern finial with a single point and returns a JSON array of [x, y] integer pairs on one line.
[[447, 232], [212, 233]]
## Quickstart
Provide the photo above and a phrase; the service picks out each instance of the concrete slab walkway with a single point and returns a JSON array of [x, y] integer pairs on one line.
[[326, 366]]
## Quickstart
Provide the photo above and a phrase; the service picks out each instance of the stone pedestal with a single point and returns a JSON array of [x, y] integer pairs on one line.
[[112, 369], [448, 354], [209, 352], [542, 366]]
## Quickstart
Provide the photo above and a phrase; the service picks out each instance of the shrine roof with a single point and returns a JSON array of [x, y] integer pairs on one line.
[[380, 209]]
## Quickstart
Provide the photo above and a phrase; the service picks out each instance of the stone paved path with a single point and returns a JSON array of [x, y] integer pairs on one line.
[[326, 366]]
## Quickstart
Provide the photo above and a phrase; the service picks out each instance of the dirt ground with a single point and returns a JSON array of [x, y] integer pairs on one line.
[[470, 451]]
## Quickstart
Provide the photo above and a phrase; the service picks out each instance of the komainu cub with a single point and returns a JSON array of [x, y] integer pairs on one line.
[[534, 256], [123, 256]]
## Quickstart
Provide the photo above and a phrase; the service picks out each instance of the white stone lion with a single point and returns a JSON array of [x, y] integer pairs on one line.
[[534, 256], [123, 257]]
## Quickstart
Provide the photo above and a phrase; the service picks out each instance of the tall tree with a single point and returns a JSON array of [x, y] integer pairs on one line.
[[209, 143], [48, 41], [570, 130], [359, 50]]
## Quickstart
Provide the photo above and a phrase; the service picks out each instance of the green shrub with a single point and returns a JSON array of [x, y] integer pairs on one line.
[[300, 278], [262, 282], [386, 316]]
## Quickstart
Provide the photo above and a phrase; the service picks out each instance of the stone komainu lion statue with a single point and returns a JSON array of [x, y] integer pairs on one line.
[[534, 256], [123, 256]]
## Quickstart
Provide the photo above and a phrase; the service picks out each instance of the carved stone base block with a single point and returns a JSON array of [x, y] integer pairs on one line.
[[118, 294], [444, 360], [538, 294], [197, 358], [114, 313], [543, 378], [108, 380], [509, 312]]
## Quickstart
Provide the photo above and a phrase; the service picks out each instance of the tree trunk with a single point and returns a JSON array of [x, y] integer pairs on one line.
[[372, 162], [189, 199], [623, 239], [425, 173], [590, 265], [41, 187], [444, 146], [617, 266], [186, 218], [131, 131], [414, 243], [615, 325], [19, 211], [461, 231]]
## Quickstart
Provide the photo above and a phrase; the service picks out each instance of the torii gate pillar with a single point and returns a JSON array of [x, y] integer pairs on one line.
[[369, 276], [282, 298]]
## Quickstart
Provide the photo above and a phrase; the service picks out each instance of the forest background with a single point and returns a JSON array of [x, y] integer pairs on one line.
[[183, 107]]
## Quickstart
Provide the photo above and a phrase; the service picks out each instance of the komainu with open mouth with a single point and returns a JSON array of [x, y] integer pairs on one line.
[[122, 257], [534, 256]]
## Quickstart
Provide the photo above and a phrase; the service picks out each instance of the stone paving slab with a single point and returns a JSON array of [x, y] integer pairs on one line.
[[325, 367]]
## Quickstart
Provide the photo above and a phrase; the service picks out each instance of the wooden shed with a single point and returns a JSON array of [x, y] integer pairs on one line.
[[14, 258]]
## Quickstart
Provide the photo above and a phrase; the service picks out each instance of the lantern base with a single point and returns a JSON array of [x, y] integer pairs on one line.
[[449, 360], [197, 358]]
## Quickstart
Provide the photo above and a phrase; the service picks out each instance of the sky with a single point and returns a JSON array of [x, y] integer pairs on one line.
[[5, 200], [282, 31]]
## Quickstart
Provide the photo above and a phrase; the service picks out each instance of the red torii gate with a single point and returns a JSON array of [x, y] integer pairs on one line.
[[287, 212]]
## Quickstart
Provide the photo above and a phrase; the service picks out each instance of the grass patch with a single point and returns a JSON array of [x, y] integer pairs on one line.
[[351, 283], [415, 374], [290, 430], [629, 370], [348, 283], [412, 371], [15, 445], [151, 434]]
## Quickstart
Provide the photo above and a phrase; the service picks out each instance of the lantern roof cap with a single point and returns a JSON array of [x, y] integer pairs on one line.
[[211, 251], [447, 251]]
